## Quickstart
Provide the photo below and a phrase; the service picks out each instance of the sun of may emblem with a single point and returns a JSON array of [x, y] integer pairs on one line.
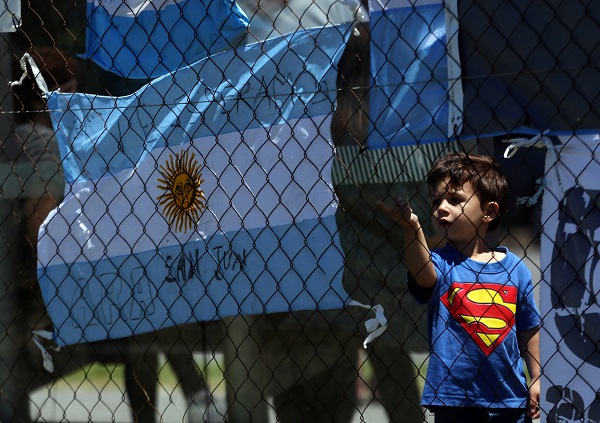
[[182, 199]]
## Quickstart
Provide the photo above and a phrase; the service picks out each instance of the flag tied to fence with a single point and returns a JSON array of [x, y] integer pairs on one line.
[[416, 93], [207, 193], [145, 39]]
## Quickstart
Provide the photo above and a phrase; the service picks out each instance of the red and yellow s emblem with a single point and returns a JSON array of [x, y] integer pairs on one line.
[[485, 310]]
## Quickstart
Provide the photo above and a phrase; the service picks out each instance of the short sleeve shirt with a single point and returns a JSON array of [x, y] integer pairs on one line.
[[475, 312]]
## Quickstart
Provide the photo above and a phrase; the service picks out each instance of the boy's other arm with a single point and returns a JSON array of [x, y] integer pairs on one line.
[[529, 342], [417, 253]]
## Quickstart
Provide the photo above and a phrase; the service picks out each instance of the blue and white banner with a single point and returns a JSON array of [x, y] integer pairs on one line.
[[207, 193], [10, 15], [416, 92], [146, 39]]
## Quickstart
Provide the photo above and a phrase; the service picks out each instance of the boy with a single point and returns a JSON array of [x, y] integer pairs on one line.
[[482, 317]]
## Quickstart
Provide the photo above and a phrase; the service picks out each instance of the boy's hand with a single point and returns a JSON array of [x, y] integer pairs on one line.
[[401, 213], [533, 409]]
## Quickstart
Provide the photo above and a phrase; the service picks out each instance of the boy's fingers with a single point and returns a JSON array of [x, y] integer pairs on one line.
[[404, 206], [400, 211], [384, 207], [534, 409], [388, 211]]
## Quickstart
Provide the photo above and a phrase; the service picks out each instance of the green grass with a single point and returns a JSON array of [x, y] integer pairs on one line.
[[102, 375]]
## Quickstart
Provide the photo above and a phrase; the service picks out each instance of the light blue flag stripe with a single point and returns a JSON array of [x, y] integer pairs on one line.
[[144, 39], [246, 136], [411, 85], [231, 92]]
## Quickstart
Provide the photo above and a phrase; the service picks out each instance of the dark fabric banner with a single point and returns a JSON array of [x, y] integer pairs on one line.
[[530, 66]]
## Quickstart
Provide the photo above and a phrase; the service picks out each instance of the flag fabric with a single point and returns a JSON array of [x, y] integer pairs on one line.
[[440, 73], [10, 16], [146, 39], [207, 193], [273, 18], [570, 261], [535, 72], [416, 93]]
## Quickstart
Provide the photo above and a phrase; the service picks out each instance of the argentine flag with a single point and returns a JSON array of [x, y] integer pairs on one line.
[[416, 92], [149, 38], [207, 193]]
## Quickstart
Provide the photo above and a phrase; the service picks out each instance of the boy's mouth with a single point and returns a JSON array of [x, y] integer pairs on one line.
[[444, 223]]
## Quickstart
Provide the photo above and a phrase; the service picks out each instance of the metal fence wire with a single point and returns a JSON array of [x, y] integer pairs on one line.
[[110, 171]]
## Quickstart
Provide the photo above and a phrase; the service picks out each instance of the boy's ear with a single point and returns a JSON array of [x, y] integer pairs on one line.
[[490, 211]]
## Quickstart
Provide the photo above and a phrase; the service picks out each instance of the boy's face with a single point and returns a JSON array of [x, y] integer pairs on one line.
[[458, 213]]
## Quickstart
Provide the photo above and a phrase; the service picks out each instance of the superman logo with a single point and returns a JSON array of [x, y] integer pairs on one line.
[[485, 310]]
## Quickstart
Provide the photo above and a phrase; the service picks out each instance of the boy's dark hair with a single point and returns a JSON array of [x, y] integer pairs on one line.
[[482, 172]]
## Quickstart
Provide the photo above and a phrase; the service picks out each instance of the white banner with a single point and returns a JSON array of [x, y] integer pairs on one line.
[[570, 263]]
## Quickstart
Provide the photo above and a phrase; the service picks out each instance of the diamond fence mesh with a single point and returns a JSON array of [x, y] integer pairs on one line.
[[225, 348]]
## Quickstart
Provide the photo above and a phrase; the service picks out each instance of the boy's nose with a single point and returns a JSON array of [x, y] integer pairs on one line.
[[443, 206]]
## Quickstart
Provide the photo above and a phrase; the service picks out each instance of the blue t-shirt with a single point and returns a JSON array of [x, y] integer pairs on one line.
[[475, 311]]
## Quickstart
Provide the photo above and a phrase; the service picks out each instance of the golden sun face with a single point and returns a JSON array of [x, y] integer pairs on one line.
[[182, 199]]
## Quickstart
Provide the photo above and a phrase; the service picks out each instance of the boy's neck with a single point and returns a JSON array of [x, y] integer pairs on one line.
[[478, 250]]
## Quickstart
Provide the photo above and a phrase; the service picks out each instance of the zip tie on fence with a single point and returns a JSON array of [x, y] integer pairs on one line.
[[540, 141], [39, 79], [360, 14], [375, 326], [47, 358], [531, 200]]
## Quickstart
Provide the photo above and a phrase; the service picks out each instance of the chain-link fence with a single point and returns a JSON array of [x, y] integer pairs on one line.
[[190, 203]]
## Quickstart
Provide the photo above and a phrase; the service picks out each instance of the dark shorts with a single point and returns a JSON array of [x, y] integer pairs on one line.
[[479, 415]]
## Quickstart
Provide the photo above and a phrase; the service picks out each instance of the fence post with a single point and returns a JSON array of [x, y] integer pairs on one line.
[[11, 391]]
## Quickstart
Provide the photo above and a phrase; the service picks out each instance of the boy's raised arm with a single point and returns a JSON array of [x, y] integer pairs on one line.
[[418, 256]]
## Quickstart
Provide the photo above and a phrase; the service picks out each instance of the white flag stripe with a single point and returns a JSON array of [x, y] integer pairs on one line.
[[380, 5], [238, 192], [132, 8]]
